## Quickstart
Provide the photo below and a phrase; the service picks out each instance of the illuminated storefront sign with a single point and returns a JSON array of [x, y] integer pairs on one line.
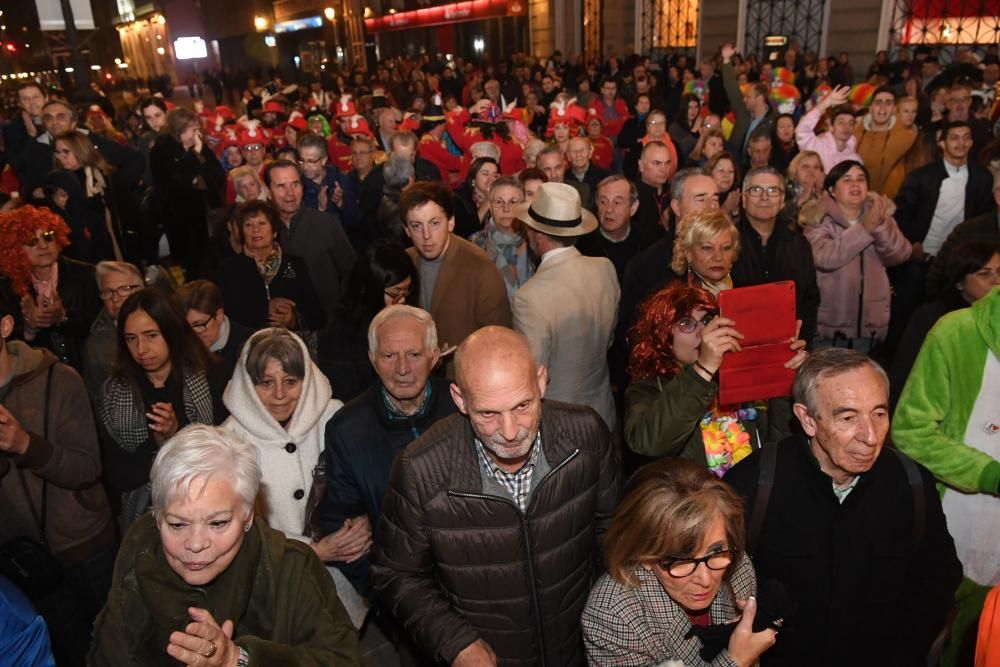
[[299, 24], [473, 10]]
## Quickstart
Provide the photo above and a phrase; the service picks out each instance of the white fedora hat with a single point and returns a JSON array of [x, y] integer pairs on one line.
[[556, 210]]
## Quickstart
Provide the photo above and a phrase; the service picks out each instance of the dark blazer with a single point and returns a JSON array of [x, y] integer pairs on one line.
[[247, 296], [319, 239], [651, 207], [792, 260], [362, 441], [918, 197], [853, 568], [457, 561], [183, 207], [229, 355]]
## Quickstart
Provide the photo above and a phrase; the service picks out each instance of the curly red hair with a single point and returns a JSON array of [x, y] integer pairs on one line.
[[19, 226], [652, 335]]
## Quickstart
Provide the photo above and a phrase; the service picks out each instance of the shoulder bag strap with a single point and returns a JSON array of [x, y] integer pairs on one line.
[[40, 517], [765, 481], [917, 489]]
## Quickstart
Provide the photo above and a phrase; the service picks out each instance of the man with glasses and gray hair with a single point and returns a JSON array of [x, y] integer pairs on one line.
[[116, 281], [773, 249], [853, 531]]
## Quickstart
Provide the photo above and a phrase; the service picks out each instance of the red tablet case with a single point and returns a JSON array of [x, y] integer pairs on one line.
[[765, 315]]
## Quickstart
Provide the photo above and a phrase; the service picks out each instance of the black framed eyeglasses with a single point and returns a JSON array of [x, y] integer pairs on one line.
[[685, 567], [758, 190], [48, 236], [200, 327], [689, 324], [122, 291]]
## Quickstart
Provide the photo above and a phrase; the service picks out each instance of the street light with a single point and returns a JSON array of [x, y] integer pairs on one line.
[[330, 13], [260, 23]]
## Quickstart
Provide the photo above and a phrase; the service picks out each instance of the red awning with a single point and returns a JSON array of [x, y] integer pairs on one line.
[[458, 12], [930, 9]]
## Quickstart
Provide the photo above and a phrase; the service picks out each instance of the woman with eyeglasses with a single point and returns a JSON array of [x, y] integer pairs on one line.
[[672, 405], [58, 296], [383, 276], [854, 237], [676, 567], [116, 281], [503, 238], [188, 180]]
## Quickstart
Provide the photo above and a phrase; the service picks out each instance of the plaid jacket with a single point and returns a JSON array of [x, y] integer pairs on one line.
[[638, 627]]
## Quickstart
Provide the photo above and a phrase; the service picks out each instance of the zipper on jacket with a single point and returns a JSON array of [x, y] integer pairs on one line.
[[527, 543]]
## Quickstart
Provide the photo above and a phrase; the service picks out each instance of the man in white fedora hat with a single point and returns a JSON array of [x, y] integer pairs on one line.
[[567, 309]]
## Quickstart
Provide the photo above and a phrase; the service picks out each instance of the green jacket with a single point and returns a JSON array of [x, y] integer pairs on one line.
[[937, 401], [662, 417], [277, 593]]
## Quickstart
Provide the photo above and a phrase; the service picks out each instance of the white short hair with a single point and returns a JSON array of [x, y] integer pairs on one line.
[[402, 310], [200, 451], [485, 149], [107, 267]]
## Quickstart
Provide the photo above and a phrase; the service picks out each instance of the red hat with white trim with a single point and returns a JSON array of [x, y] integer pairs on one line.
[[359, 126], [252, 136], [344, 107]]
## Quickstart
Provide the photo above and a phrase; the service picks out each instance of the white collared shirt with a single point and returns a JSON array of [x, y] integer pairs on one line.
[[950, 209]]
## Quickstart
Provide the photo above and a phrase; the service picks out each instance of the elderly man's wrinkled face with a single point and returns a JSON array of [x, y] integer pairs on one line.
[[504, 403], [402, 361], [286, 189], [654, 166], [700, 193], [578, 152], [850, 422], [202, 533], [763, 197], [552, 165], [615, 207]]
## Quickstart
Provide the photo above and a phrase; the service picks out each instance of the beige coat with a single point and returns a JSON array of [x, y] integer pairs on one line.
[[567, 311], [883, 154]]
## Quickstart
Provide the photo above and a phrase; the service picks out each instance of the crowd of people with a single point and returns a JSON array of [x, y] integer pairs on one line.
[[437, 349]]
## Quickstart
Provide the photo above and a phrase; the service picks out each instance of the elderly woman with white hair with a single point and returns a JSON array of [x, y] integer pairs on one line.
[[203, 581], [280, 401]]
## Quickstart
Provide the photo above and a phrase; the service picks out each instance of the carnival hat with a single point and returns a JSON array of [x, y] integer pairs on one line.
[[556, 210]]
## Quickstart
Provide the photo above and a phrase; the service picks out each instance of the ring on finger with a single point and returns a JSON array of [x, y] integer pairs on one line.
[[210, 651]]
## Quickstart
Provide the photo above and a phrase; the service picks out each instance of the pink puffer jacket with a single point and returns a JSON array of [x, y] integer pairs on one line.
[[850, 270]]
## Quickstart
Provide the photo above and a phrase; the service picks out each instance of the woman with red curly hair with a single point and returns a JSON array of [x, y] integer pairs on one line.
[[672, 407], [58, 295]]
